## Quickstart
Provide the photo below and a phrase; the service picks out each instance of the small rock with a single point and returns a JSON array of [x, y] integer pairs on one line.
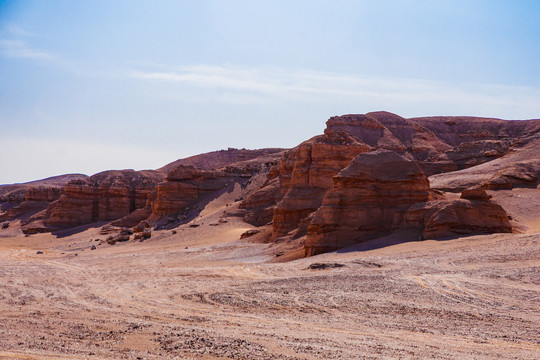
[[108, 229], [147, 233], [174, 232], [141, 226], [39, 252], [93, 247], [475, 193], [249, 233], [5, 225], [322, 266], [126, 231], [194, 225]]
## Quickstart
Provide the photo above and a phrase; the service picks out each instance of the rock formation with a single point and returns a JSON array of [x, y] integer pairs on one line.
[[20, 201], [106, 196], [366, 176], [306, 175], [369, 198], [187, 188]]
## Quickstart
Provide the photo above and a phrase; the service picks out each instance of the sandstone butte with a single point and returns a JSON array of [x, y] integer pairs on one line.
[[367, 176]]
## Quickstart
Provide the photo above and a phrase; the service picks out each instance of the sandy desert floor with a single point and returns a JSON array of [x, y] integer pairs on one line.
[[204, 294]]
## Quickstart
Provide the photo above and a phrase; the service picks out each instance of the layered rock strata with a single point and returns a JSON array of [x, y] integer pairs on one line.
[[369, 198], [106, 196], [381, 192], [438, 145], [21, 201]]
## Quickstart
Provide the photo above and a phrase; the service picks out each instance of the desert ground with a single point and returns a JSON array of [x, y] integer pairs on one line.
[[202, 293]]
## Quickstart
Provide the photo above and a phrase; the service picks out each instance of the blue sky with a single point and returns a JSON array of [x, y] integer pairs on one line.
[[87, 86]]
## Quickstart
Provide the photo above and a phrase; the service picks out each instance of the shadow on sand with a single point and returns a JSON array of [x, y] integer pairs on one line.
[[398, 237], [78, 229]]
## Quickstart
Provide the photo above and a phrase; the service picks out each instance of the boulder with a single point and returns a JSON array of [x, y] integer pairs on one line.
[[463, 217]]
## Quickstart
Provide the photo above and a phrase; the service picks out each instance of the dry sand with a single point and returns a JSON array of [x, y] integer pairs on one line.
[[204, 294]]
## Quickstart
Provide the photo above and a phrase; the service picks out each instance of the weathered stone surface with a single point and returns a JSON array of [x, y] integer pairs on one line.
[[188, 189], [105, 196], [475, 193], [438, 144], [260, 205], [520, 167], [306, 175], [369, 198], [463, 217], [223, 158], [21, 201]]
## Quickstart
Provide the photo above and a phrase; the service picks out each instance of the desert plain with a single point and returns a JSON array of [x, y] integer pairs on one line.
[[203, 293]]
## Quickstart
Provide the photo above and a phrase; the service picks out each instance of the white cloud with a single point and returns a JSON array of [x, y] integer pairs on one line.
[[21, 49], [313, 86]]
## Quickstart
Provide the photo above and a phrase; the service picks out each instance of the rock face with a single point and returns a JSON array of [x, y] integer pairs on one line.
[[105, 196], [260, 205], [369, 198], [187, 188], [312, 184], [223, 158], [24, 200], [437, 144], [381, 192], [366, 176], [306, 175]]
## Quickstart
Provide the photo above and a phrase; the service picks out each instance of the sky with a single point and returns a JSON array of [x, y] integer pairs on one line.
[[87, 86]]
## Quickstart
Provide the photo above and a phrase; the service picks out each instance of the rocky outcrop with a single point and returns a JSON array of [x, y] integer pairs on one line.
[[260, 205], [222, 158], [21, 201], [381, 192], [188, 189], [369, 198], [306, 175], [364, 177], [437, 144], [520, 167], [105, 196], [462, 217]]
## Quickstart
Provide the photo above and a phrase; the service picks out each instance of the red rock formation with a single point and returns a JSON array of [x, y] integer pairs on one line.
[[260, 205], [438, 144], [187, 188], [222, 158], [306, 175], [105, 196], [463, 217], [381, 192], [182, 188], [369, 199], [24, 200]]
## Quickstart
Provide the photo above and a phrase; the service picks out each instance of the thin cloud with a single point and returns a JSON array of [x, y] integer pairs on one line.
[[22, 50], [304, 85], [18, 31]]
